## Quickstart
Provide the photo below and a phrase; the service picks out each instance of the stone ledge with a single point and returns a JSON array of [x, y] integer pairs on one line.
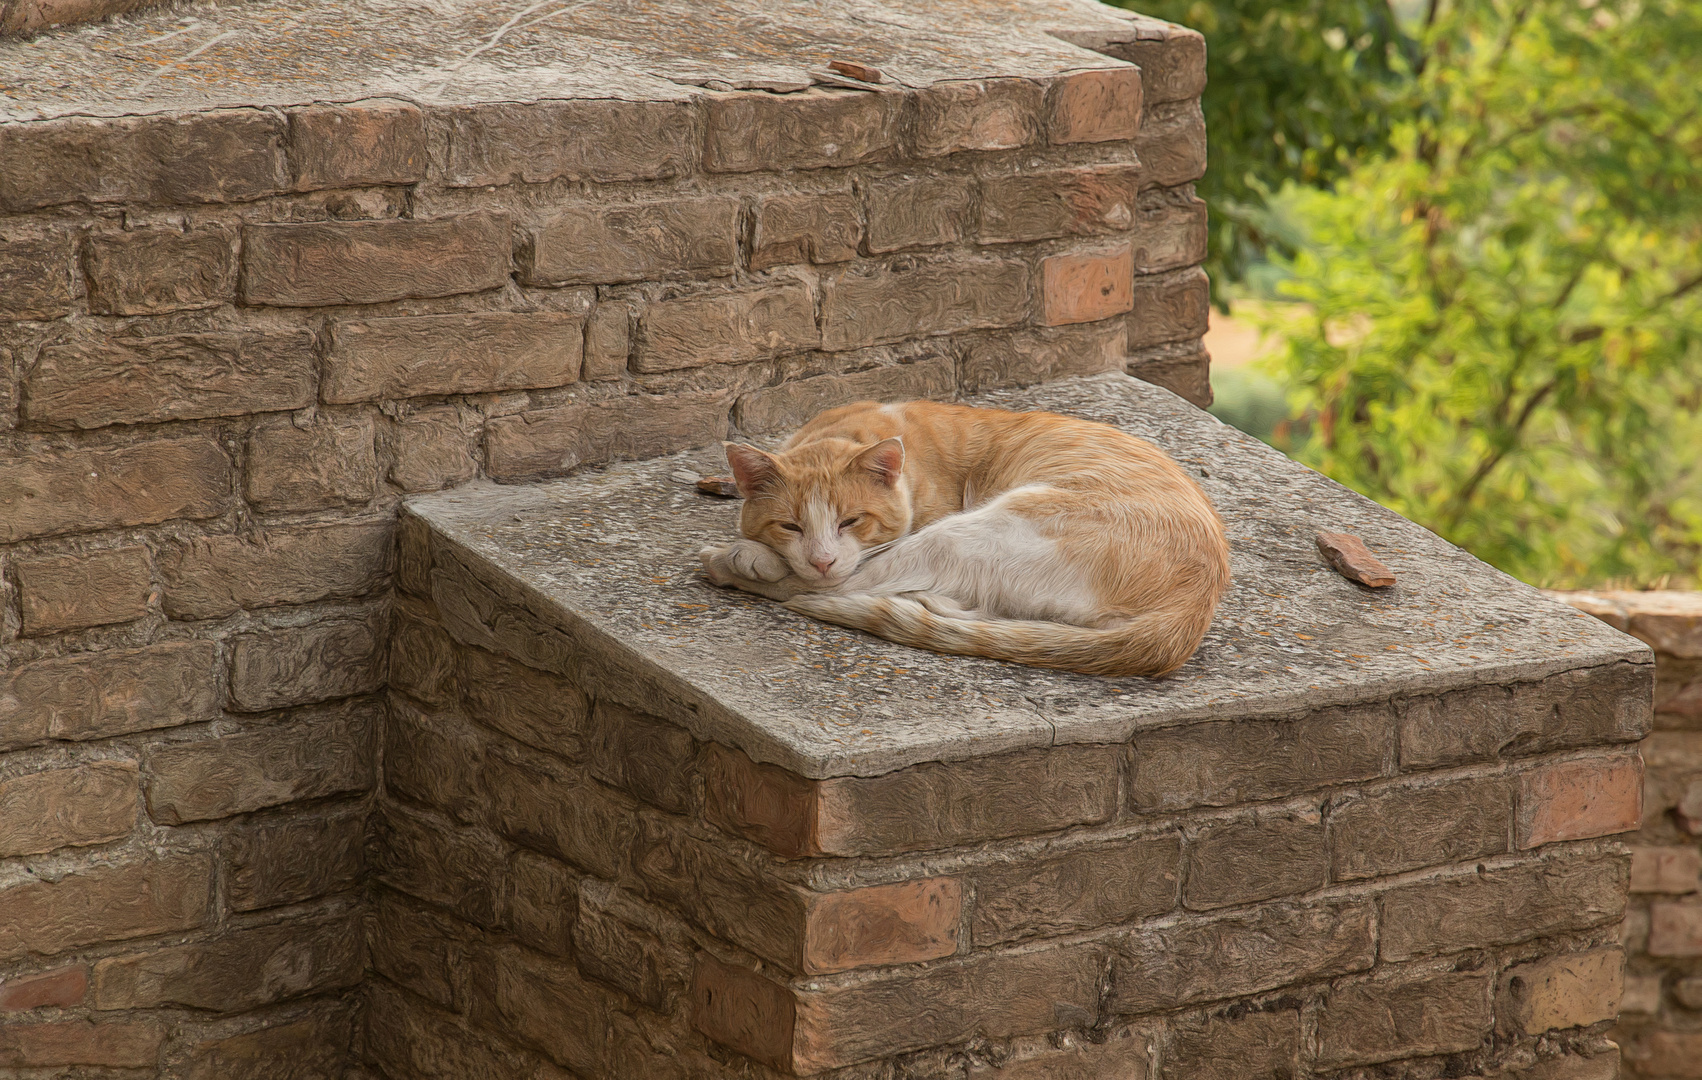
[[595, 577]]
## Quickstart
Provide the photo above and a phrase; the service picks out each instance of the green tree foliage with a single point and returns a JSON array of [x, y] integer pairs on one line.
[[1506, 341], [1295, 90]]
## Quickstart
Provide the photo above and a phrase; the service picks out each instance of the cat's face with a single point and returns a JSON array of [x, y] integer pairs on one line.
[[824, 504]]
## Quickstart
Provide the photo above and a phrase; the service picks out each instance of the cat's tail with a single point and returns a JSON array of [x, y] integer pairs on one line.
[[1153, 643]]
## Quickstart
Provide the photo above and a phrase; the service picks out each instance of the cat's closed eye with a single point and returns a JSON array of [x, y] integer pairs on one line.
[[791, 527], [850, 521]]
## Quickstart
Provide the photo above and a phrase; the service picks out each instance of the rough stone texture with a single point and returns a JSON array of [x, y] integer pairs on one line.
[[827, 128], [997, 114], [370, 142], [1079, 202], [330, 659], [1379, 1019], [805, 228], [635, 243], [368, 261], [213, 576], [1095, 106], [35, 277], [388, 359], [330, 463], [290, 862], [59, 491], [89, 804], [786, 407], [725, 328], [1262, 1046], [907, 212], [105, 903], [71, 592], [559, 440], [244, 970], [1257, 858], [934, 298], [1080, 891], [113, 692], [1404, 828], [152, 271]]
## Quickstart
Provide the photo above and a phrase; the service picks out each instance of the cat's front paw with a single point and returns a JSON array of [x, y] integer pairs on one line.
[[726, 564]]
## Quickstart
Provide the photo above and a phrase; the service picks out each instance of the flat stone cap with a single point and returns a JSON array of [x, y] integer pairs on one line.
[[607, 557], [293, 52]]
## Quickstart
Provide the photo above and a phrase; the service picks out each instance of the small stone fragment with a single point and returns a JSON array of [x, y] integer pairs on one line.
[[683, 476], [852, 69], [718, 485], [1351, 559]]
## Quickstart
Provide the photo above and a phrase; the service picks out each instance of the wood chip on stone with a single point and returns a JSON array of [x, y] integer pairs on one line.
[[718, 485], [1351, 559]]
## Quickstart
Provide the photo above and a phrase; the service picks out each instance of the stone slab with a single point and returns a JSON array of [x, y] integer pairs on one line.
[[608, 557], [287, 52]]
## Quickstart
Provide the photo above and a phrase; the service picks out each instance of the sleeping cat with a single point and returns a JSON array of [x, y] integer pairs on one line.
[[1030, 537]]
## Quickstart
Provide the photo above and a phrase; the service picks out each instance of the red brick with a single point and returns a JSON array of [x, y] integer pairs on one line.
[[366, 262], [726, 328], [740, 1009], [367, 142], [75, 591], [1173, 66], [1095, 106], [423, 355], [62, 989], [1574, 800], [1675, 929], [43, 492], [579, 140], [75, 807], [35, 274], [1665, 869], [116, 380], [153, 271], [94, 695], [105, 903], [905, 923], [817, 129], [1086, 287], [1570, 991], [645, 242], [994, 114], [555, 441], [79, 1042]]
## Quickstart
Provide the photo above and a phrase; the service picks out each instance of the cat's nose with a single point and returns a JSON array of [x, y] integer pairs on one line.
[[822, 563]]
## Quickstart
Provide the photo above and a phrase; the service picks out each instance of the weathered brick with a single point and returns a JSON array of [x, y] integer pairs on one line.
[[613, 951], [1665, 869], [86, 804], [903, 923], [1086, 286], [785, 407], [1675, 929], [105, 903], [94, 695], [818, 129], [805, 227], [216, 156], [53, 491], [1399, 829], [1172, 144], [933, 805], [331, 463], [1575, 800], [535, 707], [73, 591], [434, 760], [871, 306], [1255, 858], [1363, 1023], [422, 659], [1503, 905], [1083, 890], [1256, 1046], [153, 271], [35, 273], [1169, 307], [1173, 66], [543, 1002], [1235, 955], [298, 665], [1562, 992], [1642, 994], [287, 862], [367, 262], [1169, 230], [451, 868], [1026, 357], [1575, 708], [367, 142], [1183, 368], [431, 448], [421, 355], [643, 755], [918, 211], [726, 328], [1070, 202], [1218, 764], [133, 1045], [643, 242], [538, 804], [239, 971], [542, 904], [61, 988], [276, 764], [419, 947], [554, 441], [118, 380], [608, 342], [427, 1042], [1095, 106], [1125, 1054], [213, 576], [738, 1008], [994, 114], [1655, 1053], [299, 1050], [578, 140]]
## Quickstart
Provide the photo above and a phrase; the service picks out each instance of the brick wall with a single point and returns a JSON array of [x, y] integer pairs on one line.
[[569, 882], [230, 341], [1661, 1027]]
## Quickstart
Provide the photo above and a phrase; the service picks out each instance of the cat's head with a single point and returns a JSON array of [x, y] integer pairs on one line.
[[823, 504]]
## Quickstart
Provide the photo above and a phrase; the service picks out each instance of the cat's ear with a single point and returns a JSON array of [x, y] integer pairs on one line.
[[884, 460], [753, 470]]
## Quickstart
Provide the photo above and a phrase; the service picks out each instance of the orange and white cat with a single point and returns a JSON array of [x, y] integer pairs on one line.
[[1031, 537]]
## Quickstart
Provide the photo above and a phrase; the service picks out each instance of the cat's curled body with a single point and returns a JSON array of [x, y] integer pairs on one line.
[[1031, 537]]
